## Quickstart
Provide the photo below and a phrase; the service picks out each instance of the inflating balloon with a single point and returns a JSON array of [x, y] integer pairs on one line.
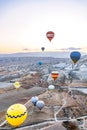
[[17, 85], [51, 87], [40, 104], [42, 48], [40, 63], [75, 56], [50, 35], [54, 74], [34, 100], [16, 114]]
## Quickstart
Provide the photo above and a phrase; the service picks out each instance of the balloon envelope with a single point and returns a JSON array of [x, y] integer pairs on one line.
[[75, 56], [16, 114], [42, 48], [34, 100], [40, 104], [17, 85], [54, 74], [51, 87], [50, 35], [40, 63]]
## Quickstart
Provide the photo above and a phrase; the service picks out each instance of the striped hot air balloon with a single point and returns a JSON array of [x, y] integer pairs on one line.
[[54, 74], [50, 35]]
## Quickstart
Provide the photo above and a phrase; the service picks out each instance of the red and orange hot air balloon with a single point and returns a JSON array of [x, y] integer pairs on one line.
[[54, 74], [50, 35]]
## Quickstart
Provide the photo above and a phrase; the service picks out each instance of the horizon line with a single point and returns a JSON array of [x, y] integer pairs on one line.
[[41, 51]]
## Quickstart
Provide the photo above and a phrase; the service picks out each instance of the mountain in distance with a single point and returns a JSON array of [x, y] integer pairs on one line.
[[57, 54]]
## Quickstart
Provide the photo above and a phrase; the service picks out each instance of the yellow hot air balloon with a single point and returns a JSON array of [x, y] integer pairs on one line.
[[16, 114], [54, 74], [17, 85]]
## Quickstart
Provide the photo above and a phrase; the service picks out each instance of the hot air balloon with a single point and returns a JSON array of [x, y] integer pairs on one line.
[[75, 56], [42, 48], [40, 104], [54, 74], [40, 63], [17, 85], [50, 35], [34, 100], [51, 87], [16, 114]]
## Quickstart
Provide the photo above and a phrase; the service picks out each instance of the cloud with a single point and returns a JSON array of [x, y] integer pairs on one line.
[[69, 49], [31, 50], [26, 49], [73, 48]]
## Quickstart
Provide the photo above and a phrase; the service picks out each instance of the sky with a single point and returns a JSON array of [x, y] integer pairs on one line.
[[24, 23]]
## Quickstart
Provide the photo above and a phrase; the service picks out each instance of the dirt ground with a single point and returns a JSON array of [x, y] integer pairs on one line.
[[17, 96]]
